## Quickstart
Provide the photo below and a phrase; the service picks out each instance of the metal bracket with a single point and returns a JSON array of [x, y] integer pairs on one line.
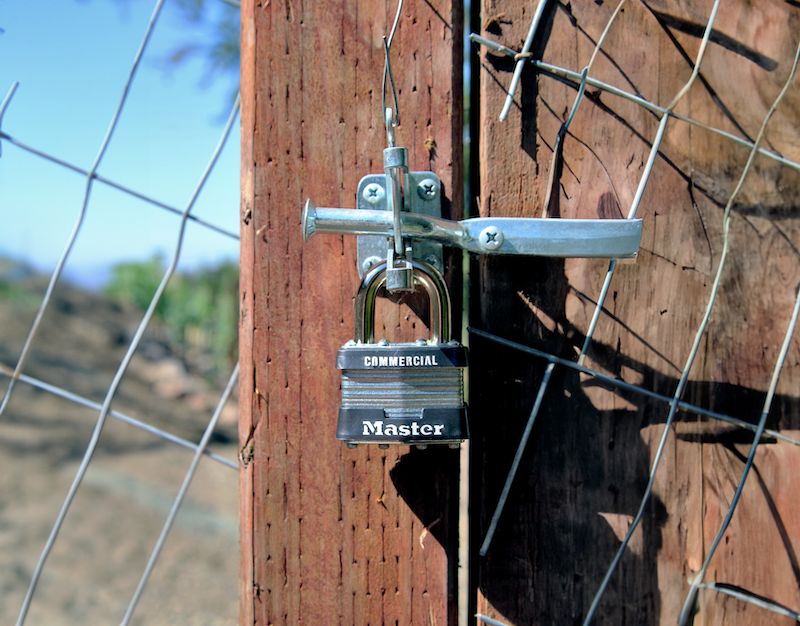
[[424, 197]]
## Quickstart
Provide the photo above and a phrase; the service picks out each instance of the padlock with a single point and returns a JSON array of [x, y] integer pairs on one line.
[[403, 393]]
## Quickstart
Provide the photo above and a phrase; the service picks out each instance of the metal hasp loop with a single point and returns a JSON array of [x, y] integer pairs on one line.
[[393, 210], [395, 166], [425, 275], [399, 275]]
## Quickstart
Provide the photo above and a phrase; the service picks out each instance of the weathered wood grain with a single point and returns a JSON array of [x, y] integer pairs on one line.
[[331, 535], [588, 460]]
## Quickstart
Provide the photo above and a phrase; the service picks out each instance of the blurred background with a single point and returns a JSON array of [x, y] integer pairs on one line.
[[70, 62]]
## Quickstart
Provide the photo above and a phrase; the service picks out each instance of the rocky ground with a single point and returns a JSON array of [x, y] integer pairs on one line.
[[132, 481]]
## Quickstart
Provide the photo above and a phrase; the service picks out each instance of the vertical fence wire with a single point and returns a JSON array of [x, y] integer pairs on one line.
[[675, 401], [82, 213], [112, 390], [212, 424], [557, 154], [688, 605], [104, 409]]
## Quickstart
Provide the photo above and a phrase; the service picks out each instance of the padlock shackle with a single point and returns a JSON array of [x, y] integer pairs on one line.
[[424, 274]]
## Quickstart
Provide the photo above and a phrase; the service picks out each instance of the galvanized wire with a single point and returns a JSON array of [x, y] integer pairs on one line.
[[565, 73], [745, 596], [551, 184], [675, 402], [562, 132], [698, 337], [393, 117], [4, 106], [176, 505], [526, 49], [91, 447], [687, 607], [648, 169], [490, 621], [149, 428], [79, 221], [611, 381], [512, 472], [127, 190], [104, 409], [604, 292]]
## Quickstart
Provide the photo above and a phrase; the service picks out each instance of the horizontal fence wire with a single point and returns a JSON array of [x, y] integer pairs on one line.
[[127, 190], [610, 382], [77, 399], [104, 409], [579, 80]]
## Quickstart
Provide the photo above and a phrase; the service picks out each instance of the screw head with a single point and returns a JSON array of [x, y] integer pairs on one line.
[[491, 238], [428, 189], [432, 259], [373, 193], [369, 262]]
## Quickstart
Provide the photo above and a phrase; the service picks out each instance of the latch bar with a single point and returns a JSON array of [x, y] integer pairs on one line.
[[530, 236]]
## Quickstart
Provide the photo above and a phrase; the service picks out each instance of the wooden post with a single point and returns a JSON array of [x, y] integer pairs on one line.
[[588, 460], [331, 535]]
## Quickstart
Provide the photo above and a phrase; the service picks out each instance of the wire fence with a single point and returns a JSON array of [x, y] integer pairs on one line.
[[103, 408], [101, 575], [583, 79]]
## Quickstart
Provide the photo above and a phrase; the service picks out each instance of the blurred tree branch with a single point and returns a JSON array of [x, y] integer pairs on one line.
[[218, 24]]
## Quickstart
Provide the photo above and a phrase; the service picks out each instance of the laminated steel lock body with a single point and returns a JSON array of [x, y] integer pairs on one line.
[[411, 393]]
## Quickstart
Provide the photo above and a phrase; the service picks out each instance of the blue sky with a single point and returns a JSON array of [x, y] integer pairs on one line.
[[71, 59]]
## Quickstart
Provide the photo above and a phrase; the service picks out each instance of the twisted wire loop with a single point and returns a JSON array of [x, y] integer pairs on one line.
[[393, 119]]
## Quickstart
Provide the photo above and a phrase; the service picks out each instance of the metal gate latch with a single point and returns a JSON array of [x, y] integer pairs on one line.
[[399, 218]]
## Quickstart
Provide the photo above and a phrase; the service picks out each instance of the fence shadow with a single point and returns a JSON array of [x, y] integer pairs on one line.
[[584, 471]]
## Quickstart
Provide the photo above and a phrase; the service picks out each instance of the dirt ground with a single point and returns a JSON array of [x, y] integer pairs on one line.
[[121, 506]]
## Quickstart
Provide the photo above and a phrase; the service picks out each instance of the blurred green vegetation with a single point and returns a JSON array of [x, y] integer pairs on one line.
[[198, 312], [13, 274]]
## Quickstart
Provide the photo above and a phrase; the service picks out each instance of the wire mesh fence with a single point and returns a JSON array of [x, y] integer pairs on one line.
[[90, 505], [99, 467], [708, 33]]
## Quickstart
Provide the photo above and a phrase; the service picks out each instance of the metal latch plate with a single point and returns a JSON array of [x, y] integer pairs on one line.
[[423, 196]]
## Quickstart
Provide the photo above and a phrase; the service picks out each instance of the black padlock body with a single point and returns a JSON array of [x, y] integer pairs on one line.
[[434, 426], [409, 393]]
